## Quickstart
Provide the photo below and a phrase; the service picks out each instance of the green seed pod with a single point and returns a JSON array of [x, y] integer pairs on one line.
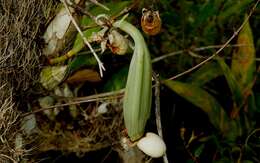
[[138, 92]]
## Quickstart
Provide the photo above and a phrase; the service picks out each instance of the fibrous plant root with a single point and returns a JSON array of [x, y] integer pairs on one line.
[[8, 126], [21, 27], [20, 39]]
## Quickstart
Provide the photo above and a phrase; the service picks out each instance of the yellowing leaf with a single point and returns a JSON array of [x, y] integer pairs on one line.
[[83, 76], [243, 60]]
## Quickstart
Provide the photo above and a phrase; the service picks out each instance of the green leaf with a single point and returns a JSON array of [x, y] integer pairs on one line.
[[203, 100], [138, 91], [81, 61], [205, 74], [206, 11], [232, 83], [117, 80], [233, 7], [243, 60], [115, 8], [79, 44], [199, 150], [252, 104]]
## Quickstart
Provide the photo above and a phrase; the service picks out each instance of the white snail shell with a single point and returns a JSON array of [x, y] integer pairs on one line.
[[152, 145]]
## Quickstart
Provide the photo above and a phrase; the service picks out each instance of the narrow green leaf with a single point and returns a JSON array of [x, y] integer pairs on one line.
[[243, 60], [232, 83], [138, 91], [207, 10], [232, 8], [199, 150], [252, 104], [205, 74], [81, 61]]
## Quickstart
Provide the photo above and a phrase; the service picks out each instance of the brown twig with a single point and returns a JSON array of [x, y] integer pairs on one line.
[[158, 111], [227, 42], [157, 59], [80, 100], [203, 57]]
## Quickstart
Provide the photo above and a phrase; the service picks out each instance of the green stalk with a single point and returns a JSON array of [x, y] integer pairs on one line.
[[138, 92]]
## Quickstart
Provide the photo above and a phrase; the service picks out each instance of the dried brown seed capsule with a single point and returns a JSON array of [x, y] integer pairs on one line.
[[151, 22]]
